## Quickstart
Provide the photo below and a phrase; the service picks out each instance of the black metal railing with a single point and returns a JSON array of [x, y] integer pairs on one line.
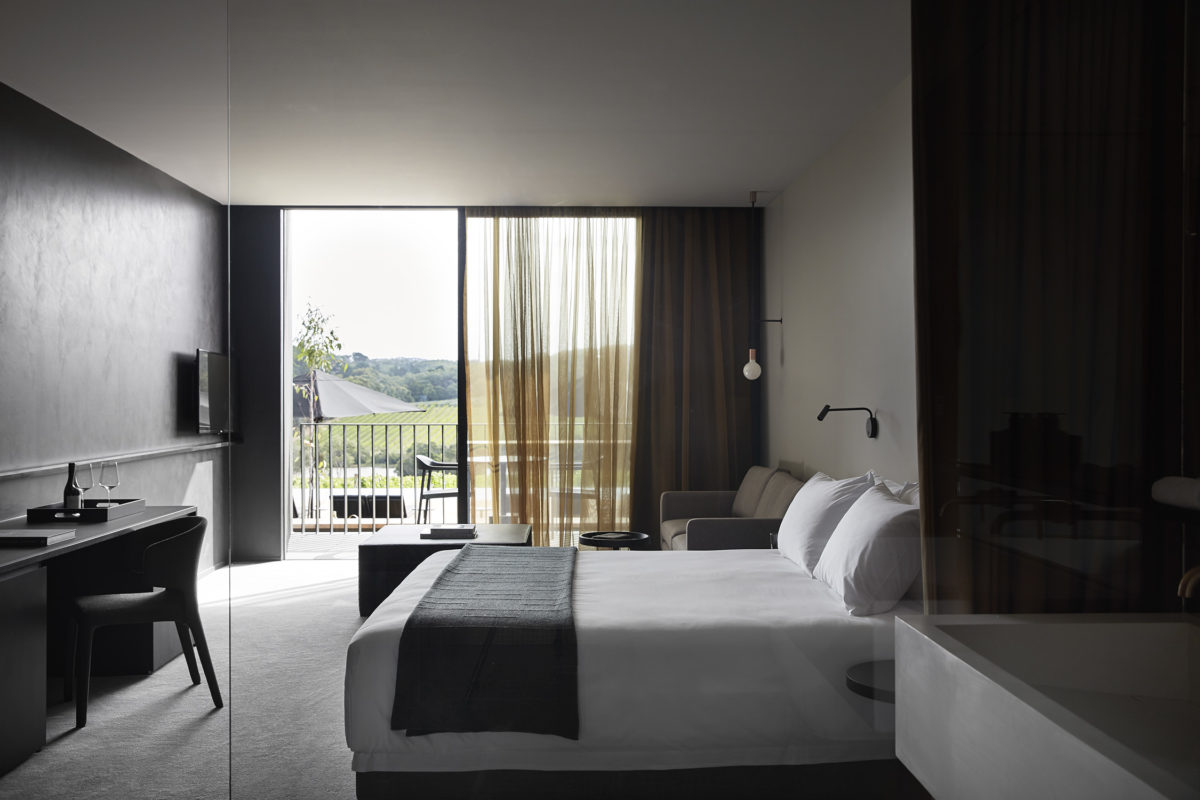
[[356, 476]]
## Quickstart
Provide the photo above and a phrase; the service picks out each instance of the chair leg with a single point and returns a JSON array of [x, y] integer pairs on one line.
[[422, 500], [206, 660], [83, 671], [185, 640]]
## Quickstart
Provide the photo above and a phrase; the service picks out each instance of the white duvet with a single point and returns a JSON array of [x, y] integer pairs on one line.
[[686, 659]]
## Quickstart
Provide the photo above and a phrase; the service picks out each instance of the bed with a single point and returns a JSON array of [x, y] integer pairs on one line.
[[686, 661]]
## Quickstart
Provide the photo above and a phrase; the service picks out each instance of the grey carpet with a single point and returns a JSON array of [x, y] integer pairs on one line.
[[325, 545], [160, 737]]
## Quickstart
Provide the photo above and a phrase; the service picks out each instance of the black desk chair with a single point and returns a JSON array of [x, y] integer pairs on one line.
[[426, 466], [165, 558]]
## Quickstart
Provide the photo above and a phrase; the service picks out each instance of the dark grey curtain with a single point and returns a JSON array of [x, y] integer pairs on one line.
[[1048, 170], [696, 425]]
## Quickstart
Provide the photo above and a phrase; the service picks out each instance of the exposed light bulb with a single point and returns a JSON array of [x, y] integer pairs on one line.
[[752, 370]]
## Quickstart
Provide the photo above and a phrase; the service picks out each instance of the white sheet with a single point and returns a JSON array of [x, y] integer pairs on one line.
[[686, 659]]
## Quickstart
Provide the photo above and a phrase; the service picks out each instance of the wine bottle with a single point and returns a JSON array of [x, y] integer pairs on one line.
[[72, 494]]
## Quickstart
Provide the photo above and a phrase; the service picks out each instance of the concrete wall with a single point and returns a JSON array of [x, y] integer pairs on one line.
[[839, 270], [111, 275]]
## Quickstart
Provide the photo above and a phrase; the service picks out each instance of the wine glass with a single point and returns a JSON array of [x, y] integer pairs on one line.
[[84, 479], [110, 479]]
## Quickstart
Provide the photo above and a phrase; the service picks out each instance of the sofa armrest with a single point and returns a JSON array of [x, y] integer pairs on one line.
[[685, 505], [731, 533]]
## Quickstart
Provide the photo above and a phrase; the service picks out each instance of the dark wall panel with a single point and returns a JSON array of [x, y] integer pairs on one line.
[[256, 311], [111, 275]]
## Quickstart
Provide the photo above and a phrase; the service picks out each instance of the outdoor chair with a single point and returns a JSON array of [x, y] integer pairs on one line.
[[164, 558], [426, 466]]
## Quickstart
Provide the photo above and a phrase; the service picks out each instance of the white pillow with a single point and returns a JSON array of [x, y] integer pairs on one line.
[[813, 514], [874, 554], [904, 492]]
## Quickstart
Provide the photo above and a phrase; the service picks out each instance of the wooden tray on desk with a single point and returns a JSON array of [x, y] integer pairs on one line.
[[92, 511]]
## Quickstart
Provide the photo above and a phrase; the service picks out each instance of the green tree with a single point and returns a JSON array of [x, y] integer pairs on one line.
[[316, 347]]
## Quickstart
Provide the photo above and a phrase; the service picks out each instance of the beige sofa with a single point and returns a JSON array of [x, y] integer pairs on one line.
[[728, 520]]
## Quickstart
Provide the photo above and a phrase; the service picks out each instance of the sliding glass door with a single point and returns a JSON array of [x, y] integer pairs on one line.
[[374, 336]]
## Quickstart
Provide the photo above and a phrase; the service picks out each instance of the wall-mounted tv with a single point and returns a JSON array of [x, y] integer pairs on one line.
[[213, 396]]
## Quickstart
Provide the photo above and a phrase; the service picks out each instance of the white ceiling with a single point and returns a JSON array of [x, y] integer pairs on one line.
[[475, 102]]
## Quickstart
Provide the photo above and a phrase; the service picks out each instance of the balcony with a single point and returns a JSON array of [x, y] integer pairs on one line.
[[352, 478], [356, 477]]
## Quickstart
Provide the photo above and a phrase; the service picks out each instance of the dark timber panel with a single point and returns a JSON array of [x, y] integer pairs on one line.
[[257, 311], [112, 273], [22, 665]]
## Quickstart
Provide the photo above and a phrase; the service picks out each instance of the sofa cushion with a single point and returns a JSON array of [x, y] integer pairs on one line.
[[673, 529], [746, 501], [777, 496]]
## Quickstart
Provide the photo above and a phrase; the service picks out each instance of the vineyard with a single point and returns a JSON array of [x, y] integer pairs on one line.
[[377, 449]]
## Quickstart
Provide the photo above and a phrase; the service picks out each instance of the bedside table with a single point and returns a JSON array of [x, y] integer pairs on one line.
[[873, 679]]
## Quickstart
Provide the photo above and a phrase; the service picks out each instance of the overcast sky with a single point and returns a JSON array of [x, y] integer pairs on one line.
[[388, 278]]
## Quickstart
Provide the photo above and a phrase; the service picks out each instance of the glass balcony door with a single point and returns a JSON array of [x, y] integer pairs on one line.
[[373, 305]]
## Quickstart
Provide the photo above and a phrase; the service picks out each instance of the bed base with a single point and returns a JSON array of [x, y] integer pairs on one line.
[[850, 780]]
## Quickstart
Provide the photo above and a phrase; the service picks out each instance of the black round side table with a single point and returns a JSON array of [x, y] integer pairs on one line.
[[614, 539], [873, 679]]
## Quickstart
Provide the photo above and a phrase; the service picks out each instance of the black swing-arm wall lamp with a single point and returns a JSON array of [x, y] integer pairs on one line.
[[872, 423]]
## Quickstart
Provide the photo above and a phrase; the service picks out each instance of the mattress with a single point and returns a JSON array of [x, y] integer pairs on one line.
[[686, 660]]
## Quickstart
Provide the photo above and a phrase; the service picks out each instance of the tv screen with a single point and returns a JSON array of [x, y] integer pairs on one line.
[[213, 396]]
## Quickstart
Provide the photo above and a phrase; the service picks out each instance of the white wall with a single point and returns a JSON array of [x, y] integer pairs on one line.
[[839, 270]]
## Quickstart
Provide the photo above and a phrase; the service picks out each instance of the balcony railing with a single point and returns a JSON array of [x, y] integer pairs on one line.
[[355, 477]]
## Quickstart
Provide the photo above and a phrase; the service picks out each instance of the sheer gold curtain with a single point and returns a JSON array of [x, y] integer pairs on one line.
[[548, 332]]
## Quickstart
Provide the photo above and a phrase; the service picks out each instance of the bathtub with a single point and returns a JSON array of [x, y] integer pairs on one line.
[[1064, 706]]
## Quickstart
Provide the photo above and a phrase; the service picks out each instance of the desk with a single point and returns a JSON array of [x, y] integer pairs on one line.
[[15, 558], [386, 558], [26, 590]]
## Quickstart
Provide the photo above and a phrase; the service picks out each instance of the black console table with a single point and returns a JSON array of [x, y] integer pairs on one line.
[[30, 578]]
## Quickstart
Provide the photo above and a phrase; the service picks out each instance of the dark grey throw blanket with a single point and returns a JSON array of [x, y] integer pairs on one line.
[[491, 646]]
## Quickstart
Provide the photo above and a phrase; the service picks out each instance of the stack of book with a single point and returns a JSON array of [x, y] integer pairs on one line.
[[28, 538], [465, 530]]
